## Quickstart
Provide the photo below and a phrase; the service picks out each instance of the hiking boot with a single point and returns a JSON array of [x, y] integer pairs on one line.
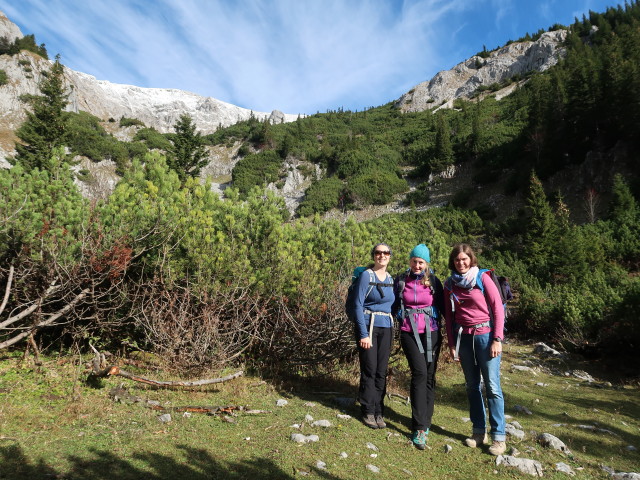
[[419, 439], [380, 422], [497, 448], [476, 440], [370, 421]]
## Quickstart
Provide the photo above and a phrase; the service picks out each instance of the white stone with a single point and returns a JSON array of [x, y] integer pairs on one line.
[[525, 465], [564, 468], [321, 423], [550, 441]]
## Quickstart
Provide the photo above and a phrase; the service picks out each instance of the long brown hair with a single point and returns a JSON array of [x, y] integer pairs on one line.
[[459, 248]]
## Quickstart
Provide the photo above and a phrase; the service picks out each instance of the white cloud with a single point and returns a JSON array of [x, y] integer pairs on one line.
[[298, 56]]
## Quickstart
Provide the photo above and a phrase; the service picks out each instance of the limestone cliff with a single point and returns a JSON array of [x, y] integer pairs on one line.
[[502, 64]]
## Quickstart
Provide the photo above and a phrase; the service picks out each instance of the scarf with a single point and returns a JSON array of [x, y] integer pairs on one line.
[[468, 280]]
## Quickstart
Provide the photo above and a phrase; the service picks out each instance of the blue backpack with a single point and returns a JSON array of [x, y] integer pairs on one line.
[[352, 292]]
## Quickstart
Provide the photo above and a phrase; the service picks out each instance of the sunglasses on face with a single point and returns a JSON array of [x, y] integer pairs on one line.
[[382, 252]]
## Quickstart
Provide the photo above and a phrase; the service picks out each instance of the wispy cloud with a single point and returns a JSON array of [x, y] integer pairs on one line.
[[298, 56]]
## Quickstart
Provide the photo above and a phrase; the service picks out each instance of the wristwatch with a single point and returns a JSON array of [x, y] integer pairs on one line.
[[497, 339]]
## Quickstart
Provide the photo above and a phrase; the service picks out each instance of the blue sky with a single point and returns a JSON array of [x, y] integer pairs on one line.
[[297, 56]]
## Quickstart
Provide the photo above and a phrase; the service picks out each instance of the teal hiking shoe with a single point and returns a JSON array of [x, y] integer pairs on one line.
[[419, 439]]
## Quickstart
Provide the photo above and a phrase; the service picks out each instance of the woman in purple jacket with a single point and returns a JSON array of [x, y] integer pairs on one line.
[[419, 302], [475, 325]]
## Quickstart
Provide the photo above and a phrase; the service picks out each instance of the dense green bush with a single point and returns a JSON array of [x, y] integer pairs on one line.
[[375, 188], [256, 169], [3, 78], [153, 139], [130, 122], [322, 196]]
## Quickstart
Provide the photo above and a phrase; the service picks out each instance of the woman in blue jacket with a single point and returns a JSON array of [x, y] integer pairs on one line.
[[374, 334]]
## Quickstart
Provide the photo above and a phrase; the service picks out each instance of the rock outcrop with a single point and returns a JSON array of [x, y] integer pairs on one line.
[[8, 29], [502, 64]]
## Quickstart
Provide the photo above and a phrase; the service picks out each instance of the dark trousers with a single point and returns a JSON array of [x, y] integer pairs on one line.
[[423, 377], [373, 371]]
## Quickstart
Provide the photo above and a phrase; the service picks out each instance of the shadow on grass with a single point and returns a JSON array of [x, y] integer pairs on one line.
[[197, 465]]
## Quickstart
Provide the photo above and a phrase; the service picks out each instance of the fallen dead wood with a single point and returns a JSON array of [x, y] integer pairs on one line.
[[406, 399], [209, 410], [114, 370]]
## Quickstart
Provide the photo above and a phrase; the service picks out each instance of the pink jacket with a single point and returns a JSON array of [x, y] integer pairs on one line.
[[471, 309]]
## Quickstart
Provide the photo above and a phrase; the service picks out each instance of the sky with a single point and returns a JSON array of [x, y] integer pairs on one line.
[[296, 56]]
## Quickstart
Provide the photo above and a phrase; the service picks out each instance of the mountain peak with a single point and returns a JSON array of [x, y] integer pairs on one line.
[[9, 29]]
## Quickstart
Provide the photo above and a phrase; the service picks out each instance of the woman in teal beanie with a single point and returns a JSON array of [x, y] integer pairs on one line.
[[419, 304]]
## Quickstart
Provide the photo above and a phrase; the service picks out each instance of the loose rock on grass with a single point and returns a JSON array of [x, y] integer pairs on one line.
[[525, 465], [564, 468], [549, 441], [300, 438]]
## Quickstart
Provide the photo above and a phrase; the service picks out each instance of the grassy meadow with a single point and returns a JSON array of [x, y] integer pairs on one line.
[[53, 424]]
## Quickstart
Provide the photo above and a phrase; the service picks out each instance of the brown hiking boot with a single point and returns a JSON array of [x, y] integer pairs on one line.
[[497, 448], [476, 440], [370, 421], [380, 421]]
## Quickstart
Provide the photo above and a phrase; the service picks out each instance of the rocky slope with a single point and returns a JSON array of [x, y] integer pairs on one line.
[[463, 80]]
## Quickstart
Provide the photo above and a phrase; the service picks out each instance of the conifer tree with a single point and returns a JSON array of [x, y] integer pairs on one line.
[[46, 125], [541, 228], [623, 208], [188, 154], [444, 150]]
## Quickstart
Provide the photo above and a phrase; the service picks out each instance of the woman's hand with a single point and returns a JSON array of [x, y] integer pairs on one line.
[[365, 343], [496, 349], [452, 352]]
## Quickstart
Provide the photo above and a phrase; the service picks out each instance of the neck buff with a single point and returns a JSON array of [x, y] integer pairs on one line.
[[468, 280]]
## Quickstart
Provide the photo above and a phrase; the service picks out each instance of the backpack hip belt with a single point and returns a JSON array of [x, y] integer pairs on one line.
[[371, 320], [474, 327], [429, 312]]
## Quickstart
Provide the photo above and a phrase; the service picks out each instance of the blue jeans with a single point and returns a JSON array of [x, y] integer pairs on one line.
[[489, 368]]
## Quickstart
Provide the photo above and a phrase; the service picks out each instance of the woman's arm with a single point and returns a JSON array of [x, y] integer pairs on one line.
[[362, 286]]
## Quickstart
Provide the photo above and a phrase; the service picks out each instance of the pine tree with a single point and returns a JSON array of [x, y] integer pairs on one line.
[[188, 154], [444, 150], [45, 128], [541, 228], [623, 209]]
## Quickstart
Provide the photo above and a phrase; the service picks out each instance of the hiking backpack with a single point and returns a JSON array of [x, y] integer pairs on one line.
[[502, 284], [352, 292]]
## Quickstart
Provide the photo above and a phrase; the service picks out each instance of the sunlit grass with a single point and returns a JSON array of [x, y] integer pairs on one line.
[[53, 423]]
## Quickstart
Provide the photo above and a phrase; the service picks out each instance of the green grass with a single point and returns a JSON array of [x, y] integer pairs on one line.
[[53, 424]]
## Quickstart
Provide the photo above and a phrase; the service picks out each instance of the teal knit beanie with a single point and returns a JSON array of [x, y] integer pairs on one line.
[[421, 251]]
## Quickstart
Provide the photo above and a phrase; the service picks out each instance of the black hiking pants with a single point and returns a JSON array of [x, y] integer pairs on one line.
[[423, 377], [373, 371]]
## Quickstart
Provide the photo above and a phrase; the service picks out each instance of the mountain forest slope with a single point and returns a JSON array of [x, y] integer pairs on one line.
[[542, 181]]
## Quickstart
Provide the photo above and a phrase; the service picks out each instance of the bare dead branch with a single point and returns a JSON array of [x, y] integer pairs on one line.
[[114, 370], [50, 320], [31, 309], [7, 289]]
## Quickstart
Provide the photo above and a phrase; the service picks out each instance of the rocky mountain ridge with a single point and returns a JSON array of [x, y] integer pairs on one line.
[[159, 108], [463, 80]]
